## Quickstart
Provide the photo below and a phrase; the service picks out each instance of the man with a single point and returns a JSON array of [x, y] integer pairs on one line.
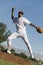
[[20, 23]]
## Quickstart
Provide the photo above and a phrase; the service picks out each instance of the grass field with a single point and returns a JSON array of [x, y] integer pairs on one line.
[[2, 62]]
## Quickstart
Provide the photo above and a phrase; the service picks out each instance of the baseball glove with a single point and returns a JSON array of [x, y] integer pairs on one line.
[[39, 30]]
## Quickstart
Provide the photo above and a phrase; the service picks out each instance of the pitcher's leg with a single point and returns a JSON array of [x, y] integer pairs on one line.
[[9, 44], [12, 36], [28, 46]]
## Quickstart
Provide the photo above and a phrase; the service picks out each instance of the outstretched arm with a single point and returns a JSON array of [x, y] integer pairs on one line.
[[12, 13], [38, 29], [33, 25], [28, 22]]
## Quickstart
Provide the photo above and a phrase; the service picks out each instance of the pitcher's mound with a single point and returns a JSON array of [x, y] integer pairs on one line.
[[13, 58]]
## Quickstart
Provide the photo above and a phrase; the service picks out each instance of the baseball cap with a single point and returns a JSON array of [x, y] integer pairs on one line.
[[20, 12]]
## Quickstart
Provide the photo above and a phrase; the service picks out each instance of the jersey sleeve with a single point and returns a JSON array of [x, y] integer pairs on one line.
[[27, 21], [14, 20]]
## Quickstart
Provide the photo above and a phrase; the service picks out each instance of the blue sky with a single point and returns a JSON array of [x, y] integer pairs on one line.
[[33, 10]]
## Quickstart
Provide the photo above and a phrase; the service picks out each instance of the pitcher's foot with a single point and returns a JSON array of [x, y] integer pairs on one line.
[[31, 57], [8, 51]]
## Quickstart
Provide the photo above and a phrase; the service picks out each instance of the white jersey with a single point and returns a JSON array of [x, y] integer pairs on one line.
[[21, 23]]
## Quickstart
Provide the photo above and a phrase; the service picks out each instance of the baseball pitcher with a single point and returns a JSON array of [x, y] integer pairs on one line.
[[20, 23]]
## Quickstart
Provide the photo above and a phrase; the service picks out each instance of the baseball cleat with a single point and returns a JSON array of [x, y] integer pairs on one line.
[[8, 51]]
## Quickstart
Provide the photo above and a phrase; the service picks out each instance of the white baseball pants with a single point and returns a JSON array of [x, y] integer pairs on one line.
[[23, 35]]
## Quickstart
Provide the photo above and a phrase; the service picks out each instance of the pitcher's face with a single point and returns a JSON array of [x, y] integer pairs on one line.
[[20, 14]]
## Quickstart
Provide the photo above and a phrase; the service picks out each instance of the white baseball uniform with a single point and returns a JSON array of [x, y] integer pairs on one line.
[[20, 32]]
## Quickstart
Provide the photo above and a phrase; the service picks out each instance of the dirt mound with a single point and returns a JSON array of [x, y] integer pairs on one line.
[[13, 58]]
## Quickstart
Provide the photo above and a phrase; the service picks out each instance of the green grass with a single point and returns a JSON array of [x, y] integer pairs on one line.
[[2, 62]]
